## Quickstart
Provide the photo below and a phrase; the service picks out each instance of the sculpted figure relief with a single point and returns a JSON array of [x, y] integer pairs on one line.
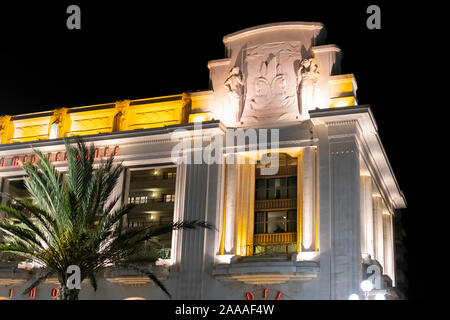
[[307, 81], [234, 87]]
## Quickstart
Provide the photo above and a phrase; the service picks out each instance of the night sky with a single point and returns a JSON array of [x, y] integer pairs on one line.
[[136, 50]]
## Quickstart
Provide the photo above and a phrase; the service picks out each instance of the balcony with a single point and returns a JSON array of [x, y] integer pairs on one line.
[[124, 276], [283, 171], [275, 204], [266, 270]]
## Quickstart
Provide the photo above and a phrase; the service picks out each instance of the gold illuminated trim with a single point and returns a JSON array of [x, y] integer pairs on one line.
[[300, 200], [9, 281], [263, 278], [121, 115], [199, 117], [222, 238], [342, 102]]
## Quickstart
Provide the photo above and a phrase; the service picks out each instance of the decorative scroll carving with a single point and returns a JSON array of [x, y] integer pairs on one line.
[[271, 88], [307, 81], [234, 87]]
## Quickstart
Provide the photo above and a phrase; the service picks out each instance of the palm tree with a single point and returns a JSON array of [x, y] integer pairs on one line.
[[74, 220]]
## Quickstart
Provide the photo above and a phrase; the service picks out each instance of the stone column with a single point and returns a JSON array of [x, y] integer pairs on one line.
[[367, 246], [307, 186], [378, 207], [388, 245], [245, 195], [346, 271], [325, 213], [230, 208], [178, 213]]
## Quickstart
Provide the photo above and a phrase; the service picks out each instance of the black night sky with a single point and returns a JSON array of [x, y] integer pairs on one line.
[[132, 50]]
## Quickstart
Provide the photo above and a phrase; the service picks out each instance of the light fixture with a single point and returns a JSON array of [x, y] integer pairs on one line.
[[366, 286], [353, 296], [380, 296]]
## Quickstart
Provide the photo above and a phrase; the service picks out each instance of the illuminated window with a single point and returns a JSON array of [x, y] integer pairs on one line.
[[169, 175], [275, 220], [169, 198], [153, 193]]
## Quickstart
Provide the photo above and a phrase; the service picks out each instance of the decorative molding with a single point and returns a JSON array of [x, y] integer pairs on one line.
[[297, 25]]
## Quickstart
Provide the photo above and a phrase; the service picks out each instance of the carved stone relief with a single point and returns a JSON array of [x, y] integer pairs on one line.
[[271, 82], [234, 87], [307, 80]]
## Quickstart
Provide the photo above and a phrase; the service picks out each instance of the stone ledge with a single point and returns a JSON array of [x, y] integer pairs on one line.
[[266, 270], [133, 277]]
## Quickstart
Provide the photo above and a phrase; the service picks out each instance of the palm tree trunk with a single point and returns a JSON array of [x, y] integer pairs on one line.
[[65, 293]]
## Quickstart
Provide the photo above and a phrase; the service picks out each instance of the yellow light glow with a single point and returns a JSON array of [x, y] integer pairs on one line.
[[199, 117], [224, 258], [118, 116], [343, 102]]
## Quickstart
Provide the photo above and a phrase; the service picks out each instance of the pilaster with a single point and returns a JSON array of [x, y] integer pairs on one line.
[[191, 252], [367, 245], [345, 215]]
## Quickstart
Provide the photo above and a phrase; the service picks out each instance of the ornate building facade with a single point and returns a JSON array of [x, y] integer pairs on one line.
[[312, 228]]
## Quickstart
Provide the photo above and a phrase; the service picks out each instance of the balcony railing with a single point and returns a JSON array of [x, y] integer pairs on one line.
[[277, 249], [275, 238], [271, 244], [282, 172], [276, 204]]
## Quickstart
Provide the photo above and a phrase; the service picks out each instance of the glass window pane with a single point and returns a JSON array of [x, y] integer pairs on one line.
[[260, 183], [154, 189], [260, 194], [292, 215], [292, 227], [259, 228], [292, 181], [283, 193], [292, 193], [259, 217], [271, 183], [275, 215], [275, 222]]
